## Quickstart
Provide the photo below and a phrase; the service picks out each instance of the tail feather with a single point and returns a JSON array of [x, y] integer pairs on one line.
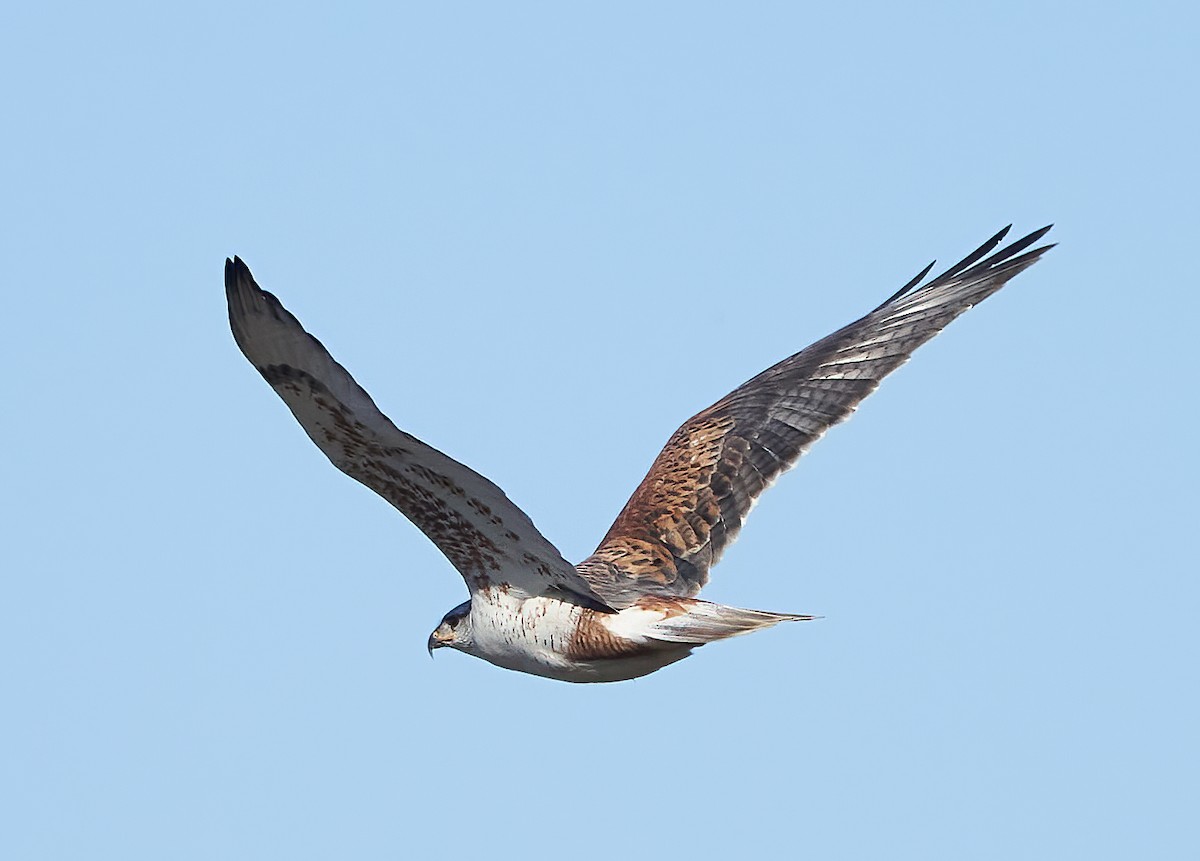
[[705, 622]]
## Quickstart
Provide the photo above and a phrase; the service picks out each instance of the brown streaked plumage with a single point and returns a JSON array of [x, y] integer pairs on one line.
[[629, 608], [592, 641], [694, 499]]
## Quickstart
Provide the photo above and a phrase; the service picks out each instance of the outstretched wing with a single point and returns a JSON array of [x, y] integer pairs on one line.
[[483, 534], [701, 487]]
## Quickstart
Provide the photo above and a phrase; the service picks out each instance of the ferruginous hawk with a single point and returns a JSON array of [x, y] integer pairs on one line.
[[631, 607]]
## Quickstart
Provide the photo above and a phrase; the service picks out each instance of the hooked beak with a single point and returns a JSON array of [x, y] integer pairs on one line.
[[438, 639], [442, 636]]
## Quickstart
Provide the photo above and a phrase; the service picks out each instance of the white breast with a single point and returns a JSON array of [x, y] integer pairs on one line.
[[531, 635]]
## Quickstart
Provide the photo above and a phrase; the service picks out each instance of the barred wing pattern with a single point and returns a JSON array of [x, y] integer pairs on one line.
[[700, 488], [483, 534]]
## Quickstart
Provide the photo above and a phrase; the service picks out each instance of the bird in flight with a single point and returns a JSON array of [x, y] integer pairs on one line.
[[630, 608]]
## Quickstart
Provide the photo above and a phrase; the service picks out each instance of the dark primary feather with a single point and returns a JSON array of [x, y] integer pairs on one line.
[[700, 488]]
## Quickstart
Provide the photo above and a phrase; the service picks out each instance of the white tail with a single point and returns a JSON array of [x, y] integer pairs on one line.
[[705, 622]]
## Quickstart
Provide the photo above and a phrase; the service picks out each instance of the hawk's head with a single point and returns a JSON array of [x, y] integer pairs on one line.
[[454, 631]]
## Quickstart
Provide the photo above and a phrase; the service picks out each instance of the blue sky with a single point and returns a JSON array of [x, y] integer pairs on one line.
[[542, 235]]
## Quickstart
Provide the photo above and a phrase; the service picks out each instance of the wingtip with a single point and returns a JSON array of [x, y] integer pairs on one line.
[[995, 240], [242, 293], [236, 271], [1028, 258], [1038, 234]]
